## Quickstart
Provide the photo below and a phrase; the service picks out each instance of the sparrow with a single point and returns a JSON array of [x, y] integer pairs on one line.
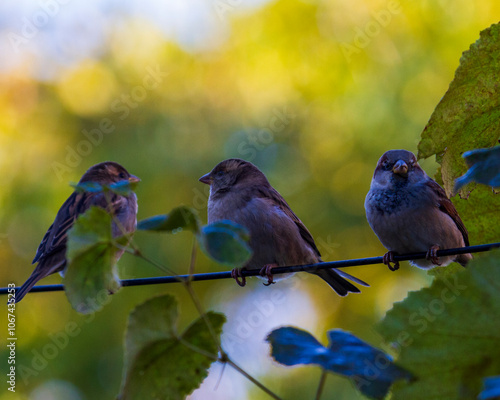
[[51, 253], [241, 193], [409, 212]]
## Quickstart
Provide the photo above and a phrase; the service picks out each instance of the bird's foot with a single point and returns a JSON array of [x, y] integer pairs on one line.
[[432, 255], [236, 275], [266, 271], [388, 259]]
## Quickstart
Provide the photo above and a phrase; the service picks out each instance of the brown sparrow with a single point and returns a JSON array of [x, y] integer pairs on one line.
[[409, 212], [241, 193], [51, 254]]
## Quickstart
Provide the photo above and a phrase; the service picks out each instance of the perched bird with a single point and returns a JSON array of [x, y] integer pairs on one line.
[[410, 212], [51, 254], [241, 193]]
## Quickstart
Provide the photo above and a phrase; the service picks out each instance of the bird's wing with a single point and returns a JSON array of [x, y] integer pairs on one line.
[[276, 198], [56, 236], [445, 205]]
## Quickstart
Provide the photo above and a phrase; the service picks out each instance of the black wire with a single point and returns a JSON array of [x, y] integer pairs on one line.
[[278, 270]]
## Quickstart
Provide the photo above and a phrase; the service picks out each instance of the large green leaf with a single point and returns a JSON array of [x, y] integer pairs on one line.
[[480, 214], [448, 334], [91, 255], [159, 362], [468, 115]]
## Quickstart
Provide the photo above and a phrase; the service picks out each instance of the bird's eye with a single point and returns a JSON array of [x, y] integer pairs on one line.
[[122, 175], [219, 173], [386, 165]]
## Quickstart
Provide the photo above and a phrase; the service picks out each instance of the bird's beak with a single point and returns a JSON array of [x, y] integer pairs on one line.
[[207, 178], [133, 179], [400, 168]]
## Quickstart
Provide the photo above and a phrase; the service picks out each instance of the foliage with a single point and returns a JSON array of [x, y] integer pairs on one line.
[[372, 371], [447, 334], [122, 188], [226, 242], [467, 116], [178, 219], [491, 389], [90, 276], [160, 362]]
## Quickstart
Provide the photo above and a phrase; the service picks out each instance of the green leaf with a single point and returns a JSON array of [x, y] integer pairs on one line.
[[178, 219], [160, 363], [226, 242], [448, 334], [91, 255], [467, 116], [484, 167], [480, 214]]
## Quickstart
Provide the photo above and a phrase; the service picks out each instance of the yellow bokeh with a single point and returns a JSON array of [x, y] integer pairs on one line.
[[88, 89]]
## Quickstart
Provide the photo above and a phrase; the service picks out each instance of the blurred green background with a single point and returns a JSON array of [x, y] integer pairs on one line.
[[313, 92]]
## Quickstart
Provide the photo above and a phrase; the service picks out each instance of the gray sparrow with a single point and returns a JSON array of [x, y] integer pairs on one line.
[[409, 212], [51, 254], [241, 193]]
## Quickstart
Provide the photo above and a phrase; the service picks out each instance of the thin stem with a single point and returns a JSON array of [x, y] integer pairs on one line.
[[252, 379], [321, 384], [198, 350]]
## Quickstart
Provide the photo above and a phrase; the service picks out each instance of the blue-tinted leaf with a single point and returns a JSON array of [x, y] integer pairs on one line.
[[178, 219], [372, 371], [484, 167], [226, 242], [91, 187], [491, 389], [123, 188], [292, 346]]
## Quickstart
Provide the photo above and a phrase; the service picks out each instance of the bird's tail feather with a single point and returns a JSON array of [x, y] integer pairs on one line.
[[30, 282], [40, 272], [337, 280]]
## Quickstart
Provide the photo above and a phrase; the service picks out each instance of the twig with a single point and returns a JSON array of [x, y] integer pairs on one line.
[[252, 379], [321, 384]]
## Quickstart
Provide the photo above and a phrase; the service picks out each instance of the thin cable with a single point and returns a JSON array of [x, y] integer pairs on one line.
[[275, 271]]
